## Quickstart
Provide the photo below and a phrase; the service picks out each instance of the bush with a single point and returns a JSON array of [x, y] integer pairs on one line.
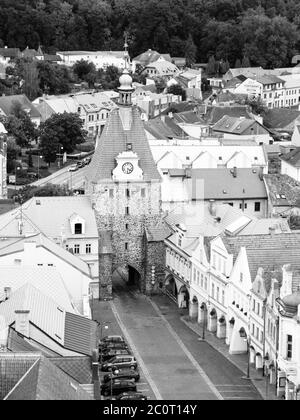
[[86, 147]]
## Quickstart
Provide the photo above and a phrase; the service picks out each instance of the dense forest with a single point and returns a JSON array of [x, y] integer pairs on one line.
[[266, 32]]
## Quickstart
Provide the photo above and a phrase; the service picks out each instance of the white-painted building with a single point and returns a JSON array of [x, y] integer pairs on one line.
[[3, 162], [153, 104], [101, 59], [38, 251]]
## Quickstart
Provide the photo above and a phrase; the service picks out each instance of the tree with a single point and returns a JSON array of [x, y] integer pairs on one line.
[[30, 161], [54, 79], [160, 84], [13, 151], [60, 130], [83, 68], [257, 105], [27, 74], [211, 68], [190, 51], [177, 90], [48, 190], [246, 62], [238, 64]]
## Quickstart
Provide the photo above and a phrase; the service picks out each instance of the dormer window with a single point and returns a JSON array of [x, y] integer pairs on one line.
[[78, 228]]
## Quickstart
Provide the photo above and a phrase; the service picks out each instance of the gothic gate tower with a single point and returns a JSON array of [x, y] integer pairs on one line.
[[125, 189]]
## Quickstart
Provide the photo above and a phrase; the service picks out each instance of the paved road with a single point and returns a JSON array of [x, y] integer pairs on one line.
[[63, 176], [176, 365]]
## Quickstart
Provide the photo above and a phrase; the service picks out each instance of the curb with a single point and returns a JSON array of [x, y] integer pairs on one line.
[[233, 362]]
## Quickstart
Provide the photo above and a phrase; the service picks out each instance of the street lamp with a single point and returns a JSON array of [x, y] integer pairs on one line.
[[243, 335], [17, 168], [101, 348], [39, 157], [60, 149], [202, 307], [267, 365], [111, 381]]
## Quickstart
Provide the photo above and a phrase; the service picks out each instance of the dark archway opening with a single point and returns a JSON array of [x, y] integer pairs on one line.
[[125, 279]]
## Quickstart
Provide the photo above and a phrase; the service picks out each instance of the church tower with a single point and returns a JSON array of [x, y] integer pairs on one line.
[[125, 189]]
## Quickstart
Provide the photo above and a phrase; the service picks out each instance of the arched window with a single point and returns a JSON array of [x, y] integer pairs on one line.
[[78, 228]]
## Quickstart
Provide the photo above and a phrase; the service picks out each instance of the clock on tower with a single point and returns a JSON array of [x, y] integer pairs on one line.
[[127, 168]]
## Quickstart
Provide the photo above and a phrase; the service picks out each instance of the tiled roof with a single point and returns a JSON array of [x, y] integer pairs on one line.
[[46, 279], [7, 102], [17, 344], [10, 52], [189, 117], [80, 334], [150, 56], [157, 233], [214, 114], [50, 215], [282, 189], [162, 130], [185, 106], [220, 184], [293, 157], [280, 118], [38, 379], [6, 205], [113, 141], [233, 125], [267, 79], [267, 251], [163, 67], [78, 367]]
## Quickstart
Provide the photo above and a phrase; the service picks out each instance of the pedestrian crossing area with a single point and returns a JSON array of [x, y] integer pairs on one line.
[[238, 392]]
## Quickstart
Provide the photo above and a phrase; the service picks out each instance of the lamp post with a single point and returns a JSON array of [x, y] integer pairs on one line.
[[202, 307], [17, 168], [60, 150], [267, 364], [39, 157], [111, 381], [246, 337], [101, 349]]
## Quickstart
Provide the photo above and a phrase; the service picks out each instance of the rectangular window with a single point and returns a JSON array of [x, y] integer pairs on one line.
[[129, 146], [257, 332], [253, 329], [88, 248], [253, 306], [218, 290], [111, 193], [223, 297], [127, 192], [126, 246], [198, 274], [213, 290], [127, 211], [76, 249], [205, 283], [257, 206], [143, 192], [258, 308], [261, 336], [202, 278], [289, 350], [126, 226]]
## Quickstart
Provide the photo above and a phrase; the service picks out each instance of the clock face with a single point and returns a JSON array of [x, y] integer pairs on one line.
[[127, 168]]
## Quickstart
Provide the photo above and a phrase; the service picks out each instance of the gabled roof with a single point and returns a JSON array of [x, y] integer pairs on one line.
[[157, 233], [163, 129], [150, 56], [10, 52], [163, 67], [268, 79], [49, 215], [220, 184], [34, 377], [7, 102], [292, 158], [214, 114], [282, 189], [77, 367], [280, 118], [113, 141], [234, 125], [267, 251]]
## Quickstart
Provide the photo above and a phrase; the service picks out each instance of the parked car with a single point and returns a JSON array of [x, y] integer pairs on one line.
[[129, 395], [80, 164], [117, 386], [73, 168], [120, 345], [87, 160], [111, 339], [122, 374], [110, 353], [119, 362]]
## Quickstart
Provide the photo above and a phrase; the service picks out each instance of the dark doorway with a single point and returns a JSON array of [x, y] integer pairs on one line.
[[126, 279], [133, 277]]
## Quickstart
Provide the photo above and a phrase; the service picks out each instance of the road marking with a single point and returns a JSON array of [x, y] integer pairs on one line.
[[136, 353], [187, 352], [234, 386]]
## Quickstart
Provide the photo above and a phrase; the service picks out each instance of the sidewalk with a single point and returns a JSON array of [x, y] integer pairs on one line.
[[239, 360]]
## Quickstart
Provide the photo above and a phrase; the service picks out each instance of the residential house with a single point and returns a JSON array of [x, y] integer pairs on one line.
[[272, 90], [152, 104], [39, 251], [282, 120], [7, 54], [179, 62], [8, 102], [288, 361], [241, 188], [3, 162], [292, 89], [54, 330], [242, 128], [213, 153], [283, 195], [101, 59], [92, 108], [32, 377], [190, 80], [55, 217], [148, 57], [290, 163], [216, 83], [161, 68]]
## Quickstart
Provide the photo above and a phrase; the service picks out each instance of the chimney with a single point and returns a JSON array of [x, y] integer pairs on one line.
[[22, 322], [272, 230], [212, 208], [287, 280], [7, 291]]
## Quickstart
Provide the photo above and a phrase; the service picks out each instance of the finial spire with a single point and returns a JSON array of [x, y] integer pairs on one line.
[[126, 54]]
